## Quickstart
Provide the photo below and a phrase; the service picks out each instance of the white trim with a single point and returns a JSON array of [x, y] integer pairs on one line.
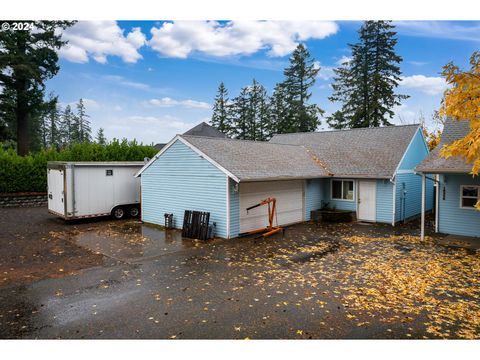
[[469, 197], [339, 179], [394, 200], [195, 149], [228, 207], [356, 197], [408, 148], [438, 186], [150, 162], [406, 171], [374, 202]]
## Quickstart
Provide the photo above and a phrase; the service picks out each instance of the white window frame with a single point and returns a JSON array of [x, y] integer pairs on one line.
[[342, 180], [468, 197]]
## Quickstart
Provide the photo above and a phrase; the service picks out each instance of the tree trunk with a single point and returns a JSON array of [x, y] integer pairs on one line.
[[22, 115]]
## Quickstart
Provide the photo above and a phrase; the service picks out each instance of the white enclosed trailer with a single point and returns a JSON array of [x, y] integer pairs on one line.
[[88, 189]]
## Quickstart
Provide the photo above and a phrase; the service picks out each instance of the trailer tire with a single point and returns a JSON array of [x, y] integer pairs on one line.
[[134, 211], [118, 212]]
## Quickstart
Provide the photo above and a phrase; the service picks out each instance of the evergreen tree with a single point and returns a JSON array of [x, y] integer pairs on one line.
[[299, 78], [27, 59], [365, 85], [259, 117], [221, 116], [279, 111], [68, 130], [101, 139], [241, 111], [83, 124]]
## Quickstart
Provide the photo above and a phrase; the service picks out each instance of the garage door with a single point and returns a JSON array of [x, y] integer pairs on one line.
[[289, 195]]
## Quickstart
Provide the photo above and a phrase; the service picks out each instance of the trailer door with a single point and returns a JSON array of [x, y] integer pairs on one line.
[[56, 191]]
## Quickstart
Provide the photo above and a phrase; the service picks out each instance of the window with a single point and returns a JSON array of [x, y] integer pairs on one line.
[[108, 172], [469, 195], [342, 190]]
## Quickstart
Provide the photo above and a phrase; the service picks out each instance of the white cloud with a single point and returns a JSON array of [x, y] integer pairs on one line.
[[404, 115], [169, 102], [125, 82], [160, 129], [418, 63], [181, 38], [344, 59], [90, 104], [326, 72], [428, 85], [466, 31], [100, 39]]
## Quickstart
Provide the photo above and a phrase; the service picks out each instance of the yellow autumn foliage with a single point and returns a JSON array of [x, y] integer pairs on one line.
[[461, 102]]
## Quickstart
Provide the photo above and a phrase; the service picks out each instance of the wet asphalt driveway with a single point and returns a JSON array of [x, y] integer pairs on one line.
[[129, 280]]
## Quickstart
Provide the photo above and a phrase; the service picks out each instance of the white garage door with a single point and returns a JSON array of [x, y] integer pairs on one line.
[[289, 195]]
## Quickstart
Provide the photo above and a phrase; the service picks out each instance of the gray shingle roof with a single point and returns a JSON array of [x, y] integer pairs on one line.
[[365, 152], [434, 163], [203, 129], [255, 160]]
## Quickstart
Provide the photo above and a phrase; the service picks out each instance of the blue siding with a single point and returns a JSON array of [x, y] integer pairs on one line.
[[413, 197], [408, 204], [341, 204], [415, 153], [181, 180], [234, 210], [384, 201], [452, 218], [315, 195]]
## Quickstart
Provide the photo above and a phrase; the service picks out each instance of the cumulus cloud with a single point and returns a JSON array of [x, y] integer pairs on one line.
[[169, 102], [325, 72], [428, 85], [181, 38], [100, 39]]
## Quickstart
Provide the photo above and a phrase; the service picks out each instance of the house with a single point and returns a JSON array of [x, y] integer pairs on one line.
[[202, 129], [367, 171], [458, 191]]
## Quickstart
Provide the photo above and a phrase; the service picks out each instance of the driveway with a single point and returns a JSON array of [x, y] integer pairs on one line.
[[128, 280]]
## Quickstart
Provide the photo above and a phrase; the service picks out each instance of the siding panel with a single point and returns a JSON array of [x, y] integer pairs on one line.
[[384, 206], [234, 210], [181, 180], [413, 198], [315, 190], [452, 218]]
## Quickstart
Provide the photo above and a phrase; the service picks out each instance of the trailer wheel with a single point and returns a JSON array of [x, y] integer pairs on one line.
[[118, 213], [134, 211]]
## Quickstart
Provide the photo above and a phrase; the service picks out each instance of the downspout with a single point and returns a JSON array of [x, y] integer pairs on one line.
[[437, 195], [422, 230], [228, 207], [392, 180]]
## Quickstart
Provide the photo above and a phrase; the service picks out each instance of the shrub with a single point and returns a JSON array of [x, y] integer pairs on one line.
[[29, 173]]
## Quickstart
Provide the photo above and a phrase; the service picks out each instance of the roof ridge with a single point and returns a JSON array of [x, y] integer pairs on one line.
[[345, 130], [237, 140]]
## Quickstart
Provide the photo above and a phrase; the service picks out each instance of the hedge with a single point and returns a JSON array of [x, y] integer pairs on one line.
[[29, 173]]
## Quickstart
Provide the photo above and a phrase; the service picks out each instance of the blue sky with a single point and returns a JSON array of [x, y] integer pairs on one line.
[[150, 80]]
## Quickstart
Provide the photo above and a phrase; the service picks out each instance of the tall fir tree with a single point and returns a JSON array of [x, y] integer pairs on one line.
[[366, 84], [100, 138], [84, 130], [300, 76], [27, 59], [221, 115], [68, 129], [279, 111], [241, 114]]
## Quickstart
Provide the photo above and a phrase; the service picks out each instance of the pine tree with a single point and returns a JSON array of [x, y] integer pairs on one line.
[[299, 78], [68, 130], [84, 130], [365, 85], [221, 116], [101, 139], [279, 111], [241, 111], [27, 60]]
